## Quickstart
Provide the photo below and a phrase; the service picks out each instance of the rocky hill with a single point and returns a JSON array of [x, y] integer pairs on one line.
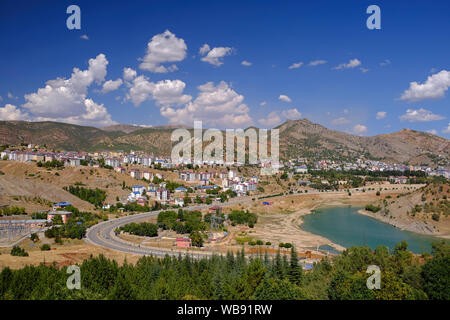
[[313, 140], [425, 210], [298, 138]]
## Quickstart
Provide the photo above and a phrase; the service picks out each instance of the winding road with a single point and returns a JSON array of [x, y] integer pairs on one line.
[[102, 234]]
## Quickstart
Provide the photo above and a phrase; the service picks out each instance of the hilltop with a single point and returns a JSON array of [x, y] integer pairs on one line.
[[298, 138]]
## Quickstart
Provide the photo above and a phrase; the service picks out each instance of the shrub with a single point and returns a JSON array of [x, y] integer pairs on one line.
[[372, 208], [45, 247], [19, 252]]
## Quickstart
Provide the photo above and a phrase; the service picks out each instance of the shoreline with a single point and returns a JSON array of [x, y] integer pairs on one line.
[[416, 227]]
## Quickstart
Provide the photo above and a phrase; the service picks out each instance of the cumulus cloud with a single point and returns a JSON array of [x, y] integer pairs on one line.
[[215, 55], [353, 63], [340, 121], [291, 114], [317, 62], [11, 96], [381, 115], [360, 129], [95, 115], [447, 130], [65, 100], [272, 120], [432, 131], [129, 74], [296, 65], [164, 92], [85, 37], [284, 98], [246, 63], [11, 113], [263, 103], [111, 85], [164, 47], [420, 115], [216, 105], [433, 88], [204, 49]]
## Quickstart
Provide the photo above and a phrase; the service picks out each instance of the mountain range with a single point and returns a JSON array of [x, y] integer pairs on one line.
[[298, 138]]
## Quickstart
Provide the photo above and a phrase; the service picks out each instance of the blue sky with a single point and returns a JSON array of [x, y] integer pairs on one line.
[[359, 83]]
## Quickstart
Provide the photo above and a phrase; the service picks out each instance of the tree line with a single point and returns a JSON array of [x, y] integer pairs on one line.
[[234, 277]]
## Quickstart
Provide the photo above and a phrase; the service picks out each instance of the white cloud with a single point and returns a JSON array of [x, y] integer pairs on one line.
[[386, 62], [317, 62], [447, 130], [164, 47], [432, 131], [353, 63], [11, 96], [272, 120], [246, 63], [360, 129], [363, 70], [65, 97], [434, 88], [1, 98], [216, 105], [381, 115], [340, 121], [284, 98], [296, 65], [345, 111], [215, 55], [204, 49], [111, 85], [10, 112], [95, 115], [420, 115], [263, 103], [164, 92], [129, 74], [85, 37], [65, 100], [291, 114]]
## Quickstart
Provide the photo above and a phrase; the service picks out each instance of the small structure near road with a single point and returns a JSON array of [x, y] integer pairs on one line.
[[65, 215], [183, 242]]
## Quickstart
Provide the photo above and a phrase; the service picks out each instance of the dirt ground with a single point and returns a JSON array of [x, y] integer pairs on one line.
[[71, 252]]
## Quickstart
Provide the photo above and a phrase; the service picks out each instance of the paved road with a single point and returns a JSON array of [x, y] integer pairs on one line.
[[102, 234]]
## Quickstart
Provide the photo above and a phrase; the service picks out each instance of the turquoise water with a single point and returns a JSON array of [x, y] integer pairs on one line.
[[342, 225]]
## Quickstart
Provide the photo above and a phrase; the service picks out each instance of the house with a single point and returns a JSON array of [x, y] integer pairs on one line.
[[113, 162], [65, 215], [179, 201], [148, 175], [183, 242], [135, 173], [138, 188], [141, 202], [215, 209], [162, 194], [301, 169], [399, 180], [120, 170], [180, 190], [61, 205], [74, 162]]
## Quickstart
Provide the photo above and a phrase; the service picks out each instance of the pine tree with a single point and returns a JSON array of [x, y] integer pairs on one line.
[[295, 270]]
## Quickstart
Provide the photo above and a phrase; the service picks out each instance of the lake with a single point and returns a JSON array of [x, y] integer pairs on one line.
[[344, 226]]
